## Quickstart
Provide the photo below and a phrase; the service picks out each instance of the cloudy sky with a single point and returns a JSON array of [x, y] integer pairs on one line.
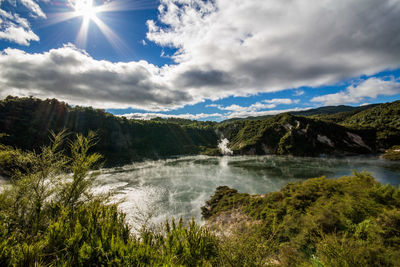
[[201, 59]]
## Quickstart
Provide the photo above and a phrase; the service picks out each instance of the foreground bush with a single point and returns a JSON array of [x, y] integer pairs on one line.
[[349, 221], [49, 217]]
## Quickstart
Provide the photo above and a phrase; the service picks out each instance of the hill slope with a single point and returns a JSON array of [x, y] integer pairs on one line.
[[27, 122], [353, 130], [328, 110], [385, 118], [349, 221], [296, 135]]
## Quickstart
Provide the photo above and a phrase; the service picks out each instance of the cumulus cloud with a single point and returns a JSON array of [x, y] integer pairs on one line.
[[278, 101], [255, 113], [34, 8], [72, 75], [256, 109], [264, 104], [19, 35], [149, 116], [212, 116], [298, 93], [236, 47], [224, 48], [16, 29], [371, 88]]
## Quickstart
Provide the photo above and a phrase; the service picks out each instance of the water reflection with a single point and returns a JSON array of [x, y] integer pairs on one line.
[[179, 187]]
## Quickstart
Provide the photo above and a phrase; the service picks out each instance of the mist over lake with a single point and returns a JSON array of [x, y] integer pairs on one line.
[[180, 186]]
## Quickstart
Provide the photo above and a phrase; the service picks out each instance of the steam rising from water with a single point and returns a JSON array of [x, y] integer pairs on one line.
[[223, 146], [153, 191]]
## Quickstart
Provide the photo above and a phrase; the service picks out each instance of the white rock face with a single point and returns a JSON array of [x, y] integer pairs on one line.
[[324, 139], [223, 146], [358, 140]]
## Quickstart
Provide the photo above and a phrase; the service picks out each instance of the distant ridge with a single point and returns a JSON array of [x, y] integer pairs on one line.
[[327, 110]]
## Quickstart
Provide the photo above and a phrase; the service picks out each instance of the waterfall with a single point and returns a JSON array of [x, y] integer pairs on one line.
[[223, 146]]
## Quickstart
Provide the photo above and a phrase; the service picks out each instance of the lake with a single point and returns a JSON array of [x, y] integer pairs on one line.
[[153, 191]]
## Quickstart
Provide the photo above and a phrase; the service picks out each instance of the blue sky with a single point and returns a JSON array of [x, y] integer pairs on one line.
[[201, 59]]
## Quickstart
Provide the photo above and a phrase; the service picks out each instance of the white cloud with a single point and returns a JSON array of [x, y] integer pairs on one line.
[[236, 47], [371, 88], [283, 101], [225, 48], [72, 75], [365, 104], [34, 8], [19, 35], [234, 114], [149, 116], [255, 113], [256, 109], [16, 29], [298, 93], [264, 104], [213, 106]]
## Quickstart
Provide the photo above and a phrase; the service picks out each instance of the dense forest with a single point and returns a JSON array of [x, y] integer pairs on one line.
[[297, 135], [328, 110], [341, 130], [360, 130], [28, 121]]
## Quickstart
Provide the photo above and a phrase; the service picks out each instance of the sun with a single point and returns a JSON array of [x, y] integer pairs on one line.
[[85, 9], [88, 11]]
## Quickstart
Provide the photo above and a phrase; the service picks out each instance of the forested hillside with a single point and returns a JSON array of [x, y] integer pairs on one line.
[[328, 130], [27, 122], [383, 118], [340, 130], [322, 111], [297, 135]]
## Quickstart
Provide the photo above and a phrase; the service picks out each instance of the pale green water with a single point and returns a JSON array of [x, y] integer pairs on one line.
[[179, 187]]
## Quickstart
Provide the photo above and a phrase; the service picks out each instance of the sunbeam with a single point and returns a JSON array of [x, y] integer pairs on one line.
[[121, 5], [81, 38], [112, 37], [88, 11]]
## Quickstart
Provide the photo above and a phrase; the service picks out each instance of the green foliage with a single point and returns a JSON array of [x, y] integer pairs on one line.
[[329, 113], [211, 151], [332, 110], [392, 153], [385, 118], [180, 245], [27, 122], [286, 134], [350, 130], [49, 217], [12, 160], [350, 221]]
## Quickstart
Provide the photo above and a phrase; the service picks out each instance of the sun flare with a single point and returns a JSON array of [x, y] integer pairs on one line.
[[88, 11], [85, 9]]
